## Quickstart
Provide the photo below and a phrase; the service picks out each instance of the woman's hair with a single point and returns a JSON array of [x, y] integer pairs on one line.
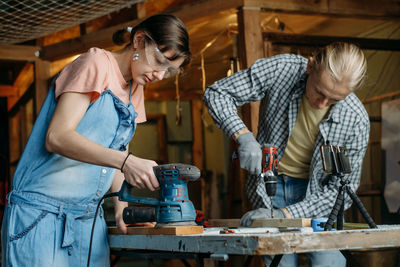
[[166, 30], [344, 62]]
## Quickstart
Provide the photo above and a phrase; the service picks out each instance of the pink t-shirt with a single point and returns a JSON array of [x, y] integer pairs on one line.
[[95, 71]]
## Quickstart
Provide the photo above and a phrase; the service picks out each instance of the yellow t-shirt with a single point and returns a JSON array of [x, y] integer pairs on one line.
[[299, 150]]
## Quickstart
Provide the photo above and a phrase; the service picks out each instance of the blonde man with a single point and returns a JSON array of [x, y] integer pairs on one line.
[[304, 104]]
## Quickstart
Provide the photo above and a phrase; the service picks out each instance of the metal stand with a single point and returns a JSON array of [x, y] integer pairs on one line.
[[338, 208]]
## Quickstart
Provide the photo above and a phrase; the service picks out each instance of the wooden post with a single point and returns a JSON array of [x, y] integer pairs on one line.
[[42, 76], [197, 153], [250, 47]]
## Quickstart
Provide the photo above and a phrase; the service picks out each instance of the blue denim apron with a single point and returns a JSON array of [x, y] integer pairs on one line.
[[50, 210]]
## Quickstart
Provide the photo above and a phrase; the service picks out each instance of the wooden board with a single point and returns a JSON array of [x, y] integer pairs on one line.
[[166, 230], [278, 222]]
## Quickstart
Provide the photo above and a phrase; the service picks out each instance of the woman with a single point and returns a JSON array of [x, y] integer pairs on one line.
[[77, 150]]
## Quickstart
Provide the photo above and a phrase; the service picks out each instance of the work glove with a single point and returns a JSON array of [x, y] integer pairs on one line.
[[250, 154], [260, 213]]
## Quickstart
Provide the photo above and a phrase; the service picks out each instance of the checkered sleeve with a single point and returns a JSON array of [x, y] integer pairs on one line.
[[322, 196], [224, 96]]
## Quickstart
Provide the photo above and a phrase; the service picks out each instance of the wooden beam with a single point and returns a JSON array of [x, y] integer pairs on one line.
[[307, 40], [272, 222], [251, 48], [205, 8], [103, 38], [57, 65], [198, 153], [366, 8], [71, 47], [19, 52], [381, 97], [42, 76], [21, 84], [170, 95], [7, 91], [165, 230]]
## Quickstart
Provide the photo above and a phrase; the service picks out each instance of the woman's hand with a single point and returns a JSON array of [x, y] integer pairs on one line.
[[139, 173], [120, 223]]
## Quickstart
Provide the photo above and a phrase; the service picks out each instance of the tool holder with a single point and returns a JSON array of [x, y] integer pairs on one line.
[[338, 208]]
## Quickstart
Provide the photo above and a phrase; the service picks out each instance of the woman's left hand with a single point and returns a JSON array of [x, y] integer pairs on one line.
[[123, 228]]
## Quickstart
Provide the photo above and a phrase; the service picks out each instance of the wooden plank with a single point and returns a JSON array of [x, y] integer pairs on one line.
[[7, 91], [251, 48], [308, 40], [366, 8], [102, 38], [264, 244], [198, 151], [42, 75], [198, 145], [23, 81], [166, 230], [275, 222], [57, 65], [19, 52], [381, 97]]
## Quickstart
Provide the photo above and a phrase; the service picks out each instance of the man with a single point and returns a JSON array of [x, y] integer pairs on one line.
[[304, 104]]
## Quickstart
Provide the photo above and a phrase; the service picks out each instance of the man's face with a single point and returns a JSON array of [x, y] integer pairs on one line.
[[322, 91]]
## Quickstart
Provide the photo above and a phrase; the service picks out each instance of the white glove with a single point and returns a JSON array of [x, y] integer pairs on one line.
[[250, 154], [260, 213]]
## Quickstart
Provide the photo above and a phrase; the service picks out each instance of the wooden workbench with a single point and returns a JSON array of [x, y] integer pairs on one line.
[[274, 242]]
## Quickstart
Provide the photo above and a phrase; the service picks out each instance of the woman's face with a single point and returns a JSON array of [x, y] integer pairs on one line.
[[152, 65]]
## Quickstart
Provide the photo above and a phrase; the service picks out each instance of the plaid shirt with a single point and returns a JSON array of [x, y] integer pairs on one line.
[[279, 82]]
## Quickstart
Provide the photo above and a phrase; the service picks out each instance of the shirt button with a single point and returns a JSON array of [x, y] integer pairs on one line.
[[104, 171], [98, 193], [88, 211]]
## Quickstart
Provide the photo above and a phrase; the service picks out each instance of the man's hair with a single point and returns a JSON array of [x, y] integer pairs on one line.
[[344, 62]]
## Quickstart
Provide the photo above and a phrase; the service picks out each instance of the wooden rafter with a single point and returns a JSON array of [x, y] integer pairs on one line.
[[21, 84], [366, 8], [102, 38], [19, 52], [7, 91], [301, 39]]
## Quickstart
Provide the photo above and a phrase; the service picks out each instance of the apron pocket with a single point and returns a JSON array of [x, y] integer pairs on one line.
[[25, 220]]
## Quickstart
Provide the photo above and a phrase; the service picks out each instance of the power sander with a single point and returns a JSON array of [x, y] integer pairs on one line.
[[173, 207]]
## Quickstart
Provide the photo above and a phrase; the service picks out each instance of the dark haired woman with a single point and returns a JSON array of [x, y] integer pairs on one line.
[[77, 150]]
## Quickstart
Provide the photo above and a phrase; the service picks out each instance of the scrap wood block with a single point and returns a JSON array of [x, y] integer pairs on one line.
[[166, 230], [275, 222]]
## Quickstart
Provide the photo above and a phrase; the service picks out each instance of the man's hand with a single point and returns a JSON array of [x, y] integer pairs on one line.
[[250, 154], [261, 213]]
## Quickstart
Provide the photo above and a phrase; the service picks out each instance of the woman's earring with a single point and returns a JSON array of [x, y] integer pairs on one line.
[[135, 56]]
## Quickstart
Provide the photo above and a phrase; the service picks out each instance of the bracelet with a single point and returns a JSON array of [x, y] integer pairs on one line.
[[123, 164]]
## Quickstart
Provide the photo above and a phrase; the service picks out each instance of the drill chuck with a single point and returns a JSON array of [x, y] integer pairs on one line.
[[270, 181]]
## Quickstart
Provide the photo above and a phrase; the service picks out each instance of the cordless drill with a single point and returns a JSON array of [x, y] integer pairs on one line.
[[269, 171]]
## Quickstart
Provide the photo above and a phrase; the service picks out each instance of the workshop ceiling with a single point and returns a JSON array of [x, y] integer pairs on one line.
[[25, 20]]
